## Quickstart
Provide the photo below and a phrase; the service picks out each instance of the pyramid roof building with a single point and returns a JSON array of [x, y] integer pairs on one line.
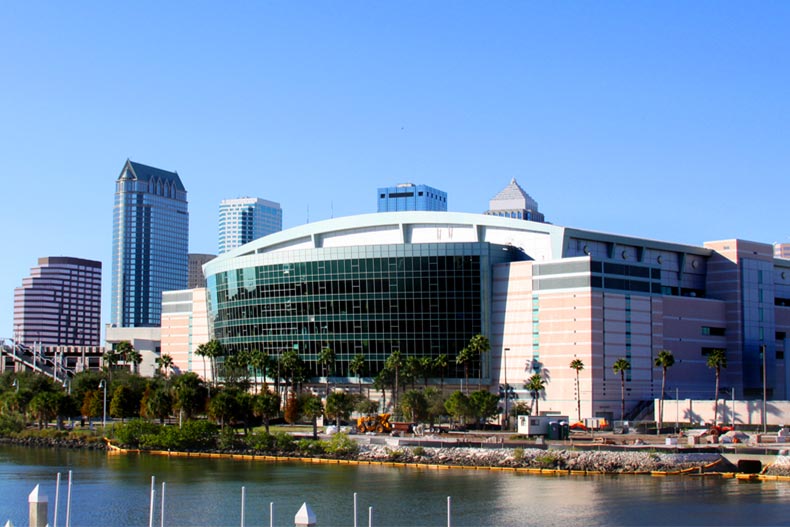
[[513, 202]]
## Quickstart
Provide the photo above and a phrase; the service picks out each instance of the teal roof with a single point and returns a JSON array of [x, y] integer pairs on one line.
[[142, 172]]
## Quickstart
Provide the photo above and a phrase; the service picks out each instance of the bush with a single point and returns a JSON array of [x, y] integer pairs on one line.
[[310, 446], [341, 445], [284, 442], [11, 423], [228, 440], [418, 451], [518, 454], [130, 434], [198, 435], [262, 442], [547, 460]]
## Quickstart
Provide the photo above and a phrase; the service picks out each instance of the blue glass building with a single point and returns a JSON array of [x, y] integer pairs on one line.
[[408, 196], [150, 243], [243, 220]]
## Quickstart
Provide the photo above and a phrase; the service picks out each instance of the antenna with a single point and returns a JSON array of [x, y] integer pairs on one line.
[[332, 209], [308, 214]]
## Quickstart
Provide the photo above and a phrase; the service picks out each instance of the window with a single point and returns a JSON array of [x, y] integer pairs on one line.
[[714, 332]]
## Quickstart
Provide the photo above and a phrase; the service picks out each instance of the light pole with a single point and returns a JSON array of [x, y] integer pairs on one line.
[[765, 382], [103, 384], [507, 390]]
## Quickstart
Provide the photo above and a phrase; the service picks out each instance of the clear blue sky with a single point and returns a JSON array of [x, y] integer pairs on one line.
[[666, 120]]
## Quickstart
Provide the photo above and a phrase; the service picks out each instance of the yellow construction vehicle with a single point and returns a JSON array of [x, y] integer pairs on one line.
[[374, 423]]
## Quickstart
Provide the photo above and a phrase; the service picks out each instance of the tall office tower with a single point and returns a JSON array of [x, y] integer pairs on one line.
[[513, 202], [242, 220], [196, 261], [150, 243], [59, 304], [782, 250], [408, 196]]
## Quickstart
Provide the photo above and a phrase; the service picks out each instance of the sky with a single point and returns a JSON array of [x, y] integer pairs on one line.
[[664, 120]]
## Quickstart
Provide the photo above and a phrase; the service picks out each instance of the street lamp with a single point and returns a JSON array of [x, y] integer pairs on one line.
[[507, 391], [103, 384]]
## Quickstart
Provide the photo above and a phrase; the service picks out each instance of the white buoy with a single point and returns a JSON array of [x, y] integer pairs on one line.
[[305, 517], [57, 497], [38, 504]]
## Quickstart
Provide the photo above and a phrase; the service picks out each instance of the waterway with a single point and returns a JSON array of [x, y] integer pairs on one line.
[[115, 490]]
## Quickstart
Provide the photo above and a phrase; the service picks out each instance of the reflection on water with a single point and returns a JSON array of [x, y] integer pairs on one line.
[[114, 490]]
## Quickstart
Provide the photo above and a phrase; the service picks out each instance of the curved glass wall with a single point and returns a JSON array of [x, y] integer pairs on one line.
[[422, 300]]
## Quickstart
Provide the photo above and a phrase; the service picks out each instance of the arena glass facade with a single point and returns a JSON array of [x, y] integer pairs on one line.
[[423, 300]]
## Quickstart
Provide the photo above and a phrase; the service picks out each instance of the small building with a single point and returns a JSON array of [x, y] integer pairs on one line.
[[542, 425]]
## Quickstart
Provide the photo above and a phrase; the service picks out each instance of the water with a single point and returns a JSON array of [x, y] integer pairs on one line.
[[114, 490]]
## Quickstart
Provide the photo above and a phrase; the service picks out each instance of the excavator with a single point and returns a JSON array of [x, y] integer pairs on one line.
[[374, 423]]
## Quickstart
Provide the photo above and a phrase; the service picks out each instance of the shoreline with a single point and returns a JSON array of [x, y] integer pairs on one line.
[[576, 461]]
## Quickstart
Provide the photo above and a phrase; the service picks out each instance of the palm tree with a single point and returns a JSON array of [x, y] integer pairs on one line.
[[440, 363], [313, 408], [327, 360], [465, 357], [534, 385], [357, 368], [164, 362], [267, 406], [394, 363], [578, 365], [619, 367], [426, 369], [664, 360], [256, 363], [478, 345], [717, 359], [211, 349]]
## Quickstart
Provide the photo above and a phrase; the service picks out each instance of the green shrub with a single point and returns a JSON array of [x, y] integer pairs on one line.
[[262, 442], [130, 434], [341, 445], [198, 434], [518, 454], [311, 447], [229, 440], [394, 455], [11, 423], [284, 442], [418, 451], [547, 460]]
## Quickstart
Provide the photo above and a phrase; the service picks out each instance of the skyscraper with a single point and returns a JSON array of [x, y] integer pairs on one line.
[[242, 220], [150, 243], [513, 202], [408, 196], [196, 261], [59, 304]]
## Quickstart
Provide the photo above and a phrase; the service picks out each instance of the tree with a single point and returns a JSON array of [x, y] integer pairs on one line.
[[441, 363], [339, 405], [110, 360], [92, 404], [165, 362], [414, 405], [535, 385], [426, 369], [383, 379], [312, 408], [267, 406], [292, 408], [327, 361], [619, 367], [664, 360], [189, 394], [357, 368], [157, 403], [411, 370], [464, 357], [289, 366], [578, 365], [224, 406], [134, 358], [44, 406], [435, 400], [717, 359], [479, 345], [484, 405], [366, 406], [211, 349], [124, 403], [394, 363], [458, 407]]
